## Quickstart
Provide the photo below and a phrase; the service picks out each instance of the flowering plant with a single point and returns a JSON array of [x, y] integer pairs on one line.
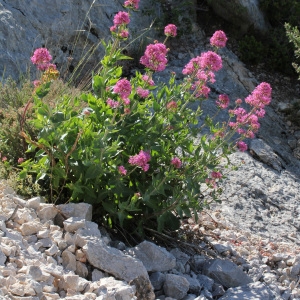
[[134, 151]]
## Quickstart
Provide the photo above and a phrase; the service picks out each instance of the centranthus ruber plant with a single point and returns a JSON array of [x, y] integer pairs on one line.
[[134, 151]]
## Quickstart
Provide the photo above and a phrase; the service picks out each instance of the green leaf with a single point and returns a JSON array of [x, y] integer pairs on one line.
[[58, 117], [167, 220], [122, 57], [43, 111], [156, 106], [43, 90], [97, 83], [93, 172], [109, 207], [23, 174]]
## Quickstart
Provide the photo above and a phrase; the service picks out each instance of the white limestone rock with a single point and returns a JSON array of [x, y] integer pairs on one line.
[[78, 210], [47, 211], [73, 224], [30, 228], [153, 257], [176, 286], [113, 261], [34, 203], [68, 260]]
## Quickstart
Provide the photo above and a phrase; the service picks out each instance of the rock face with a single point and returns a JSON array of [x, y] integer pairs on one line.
[[242, 13], [69, 29]]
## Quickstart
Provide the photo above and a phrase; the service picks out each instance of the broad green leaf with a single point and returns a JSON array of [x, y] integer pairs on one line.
[[43, 90], [93, 172], [167, 220]]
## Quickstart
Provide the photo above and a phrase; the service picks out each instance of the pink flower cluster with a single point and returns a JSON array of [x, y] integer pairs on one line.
[[247, 123], [261, 96], [121, 19], [176, 162], [172, 106], [154, 57], [212, 181], [242, 146], [209, 60], [112, 103], [171, 30], [122, 170], [132, 4], [201, 70], [218, 39], [41, 57], [142, 92], [141, 160], [123, 88], [148, 80], [223, 101]]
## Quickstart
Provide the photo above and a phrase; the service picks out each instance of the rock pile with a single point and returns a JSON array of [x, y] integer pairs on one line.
[[57, 252]]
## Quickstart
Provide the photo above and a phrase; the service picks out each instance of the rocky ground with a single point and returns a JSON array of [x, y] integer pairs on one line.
[[245, 248]]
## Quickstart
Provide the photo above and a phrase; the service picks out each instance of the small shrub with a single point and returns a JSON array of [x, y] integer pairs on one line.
[[136, 151], [251, 49], [294, 37]]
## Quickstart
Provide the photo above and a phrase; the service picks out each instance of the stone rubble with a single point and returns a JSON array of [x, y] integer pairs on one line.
[[41, 260]]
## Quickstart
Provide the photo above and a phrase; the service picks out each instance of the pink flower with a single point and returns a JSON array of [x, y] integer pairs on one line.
[[41, 56], [176, 162], [242, 146], [203, 65], [211, 61], [171, 30], [238, 101], [223, 101], [260, 96], [172, 106], [126, 101], [20, 160], [147, 79], [4, 158], [260, 112], [86, 112], [192, 66], [124, 34], [122, 170], [233, 125], [155, 57], [202, 75], [218, 39], [113, 28], [121, 18], [141, 160], [142, 93], [132, 4], [219, 134], [123, 88], [43, 66], [249, 134], [202, 89], [46, 66], [216, 175], [211, 182], [112, 103], [127, 111], [36, 83]]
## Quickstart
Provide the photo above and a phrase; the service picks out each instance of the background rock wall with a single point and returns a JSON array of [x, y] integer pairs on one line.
[[67, 28]]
